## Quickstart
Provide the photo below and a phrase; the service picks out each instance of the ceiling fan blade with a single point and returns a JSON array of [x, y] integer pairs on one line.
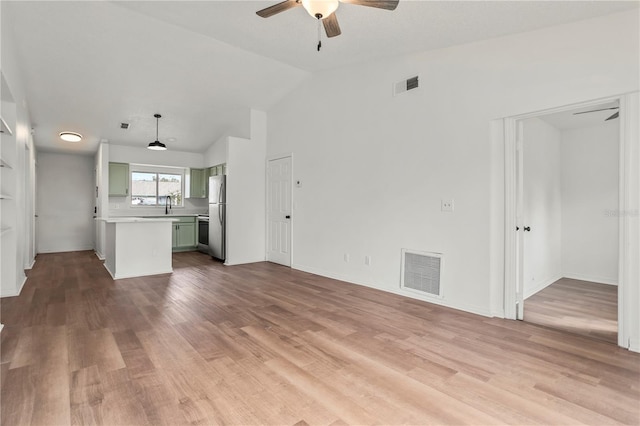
[[380, 4], [615, 115], [331, 25], [594, 110], [277, 8]]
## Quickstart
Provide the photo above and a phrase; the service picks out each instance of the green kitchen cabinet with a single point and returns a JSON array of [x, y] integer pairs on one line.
[[198, 184], [183, 236], [220, 169], [118, 179]]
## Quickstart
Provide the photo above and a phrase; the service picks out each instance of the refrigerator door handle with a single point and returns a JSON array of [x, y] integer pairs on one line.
[[220, 213], [220, 194]]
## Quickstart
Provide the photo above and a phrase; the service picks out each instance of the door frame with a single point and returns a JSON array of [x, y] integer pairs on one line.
[[291, 204], [627, 244]]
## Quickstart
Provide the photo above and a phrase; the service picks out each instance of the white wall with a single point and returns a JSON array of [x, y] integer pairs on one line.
[[245, 201], [246, 171], [102, 199], [590, 203], [542, 205], [15, 253], [375, 167], [66, 197], [121, 206], [217, 152], [246, 163]]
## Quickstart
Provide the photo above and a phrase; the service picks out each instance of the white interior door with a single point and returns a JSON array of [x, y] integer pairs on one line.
[[279, 211]]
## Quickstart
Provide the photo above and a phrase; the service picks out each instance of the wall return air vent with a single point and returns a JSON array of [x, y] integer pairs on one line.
[[405, 85], [421, 272]]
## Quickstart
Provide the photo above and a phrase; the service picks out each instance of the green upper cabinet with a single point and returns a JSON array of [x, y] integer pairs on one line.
[[118, 179], [220, 169], [198, 185]]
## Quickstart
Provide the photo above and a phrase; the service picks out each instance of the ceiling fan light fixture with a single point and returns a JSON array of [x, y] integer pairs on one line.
[[70, 136], [324, 8], [157, 145]]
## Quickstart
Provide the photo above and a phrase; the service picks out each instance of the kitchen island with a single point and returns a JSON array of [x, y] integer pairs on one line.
[[136, 246]]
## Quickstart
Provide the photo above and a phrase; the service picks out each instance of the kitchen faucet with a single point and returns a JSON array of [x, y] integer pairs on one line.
[[167, 204]]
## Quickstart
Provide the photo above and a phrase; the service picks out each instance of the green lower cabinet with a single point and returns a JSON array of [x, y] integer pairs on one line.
[[185, 235]]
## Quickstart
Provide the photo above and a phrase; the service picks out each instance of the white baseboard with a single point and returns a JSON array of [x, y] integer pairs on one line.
[[1, 327], [399, 291], [540, 286], [591, 278], [19, 290], [121, 277], [99, 255], [634, 345], [30, 265], [65, 249], [24, 281]]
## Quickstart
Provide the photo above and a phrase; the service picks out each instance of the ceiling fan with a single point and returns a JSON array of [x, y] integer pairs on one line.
[[612, 117], [324, 10]]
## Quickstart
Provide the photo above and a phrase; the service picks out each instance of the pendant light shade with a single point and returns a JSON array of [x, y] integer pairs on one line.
[[157, 145]]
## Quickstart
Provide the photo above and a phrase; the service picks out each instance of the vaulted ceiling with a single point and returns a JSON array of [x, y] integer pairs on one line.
[[90, 65]]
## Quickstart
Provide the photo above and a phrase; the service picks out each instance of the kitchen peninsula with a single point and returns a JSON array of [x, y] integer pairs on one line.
[[136, 246]]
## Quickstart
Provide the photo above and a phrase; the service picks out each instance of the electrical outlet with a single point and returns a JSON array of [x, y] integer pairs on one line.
[[367, 260], [346, 257], [446, 205]]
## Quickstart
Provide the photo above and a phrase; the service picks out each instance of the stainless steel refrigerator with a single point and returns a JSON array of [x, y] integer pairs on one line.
[[217, 216]]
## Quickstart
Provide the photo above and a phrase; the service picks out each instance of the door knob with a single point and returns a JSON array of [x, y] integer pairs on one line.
[[287, 217], [527, 228]]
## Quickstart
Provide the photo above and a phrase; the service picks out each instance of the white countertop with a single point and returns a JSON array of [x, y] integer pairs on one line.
[[137, 219]]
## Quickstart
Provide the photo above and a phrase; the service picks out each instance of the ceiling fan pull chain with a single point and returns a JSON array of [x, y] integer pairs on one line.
[[319, 31]]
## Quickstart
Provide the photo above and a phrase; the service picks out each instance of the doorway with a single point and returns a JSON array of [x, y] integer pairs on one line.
[[279, 210], [507, 132], [568, 168]]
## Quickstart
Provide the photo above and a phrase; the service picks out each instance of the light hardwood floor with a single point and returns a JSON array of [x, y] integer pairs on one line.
[[581, 307], [264, 344]]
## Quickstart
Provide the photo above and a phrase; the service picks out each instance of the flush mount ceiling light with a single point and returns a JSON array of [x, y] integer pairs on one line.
[[70, 136], [157, 145]]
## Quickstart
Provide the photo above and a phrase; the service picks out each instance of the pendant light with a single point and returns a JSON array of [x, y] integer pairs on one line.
[[157, 145]]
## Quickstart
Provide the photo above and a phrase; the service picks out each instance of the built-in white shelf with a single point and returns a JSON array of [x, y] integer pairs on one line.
[[4, 127], [5, 197], [4, 230], [5, 164]]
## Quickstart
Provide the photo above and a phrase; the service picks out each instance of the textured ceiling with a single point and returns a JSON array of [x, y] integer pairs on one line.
[[90, 65]]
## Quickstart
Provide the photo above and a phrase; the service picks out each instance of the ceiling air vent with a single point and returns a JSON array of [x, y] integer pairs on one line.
[[421, 272], [405, 85], [124, 126]]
